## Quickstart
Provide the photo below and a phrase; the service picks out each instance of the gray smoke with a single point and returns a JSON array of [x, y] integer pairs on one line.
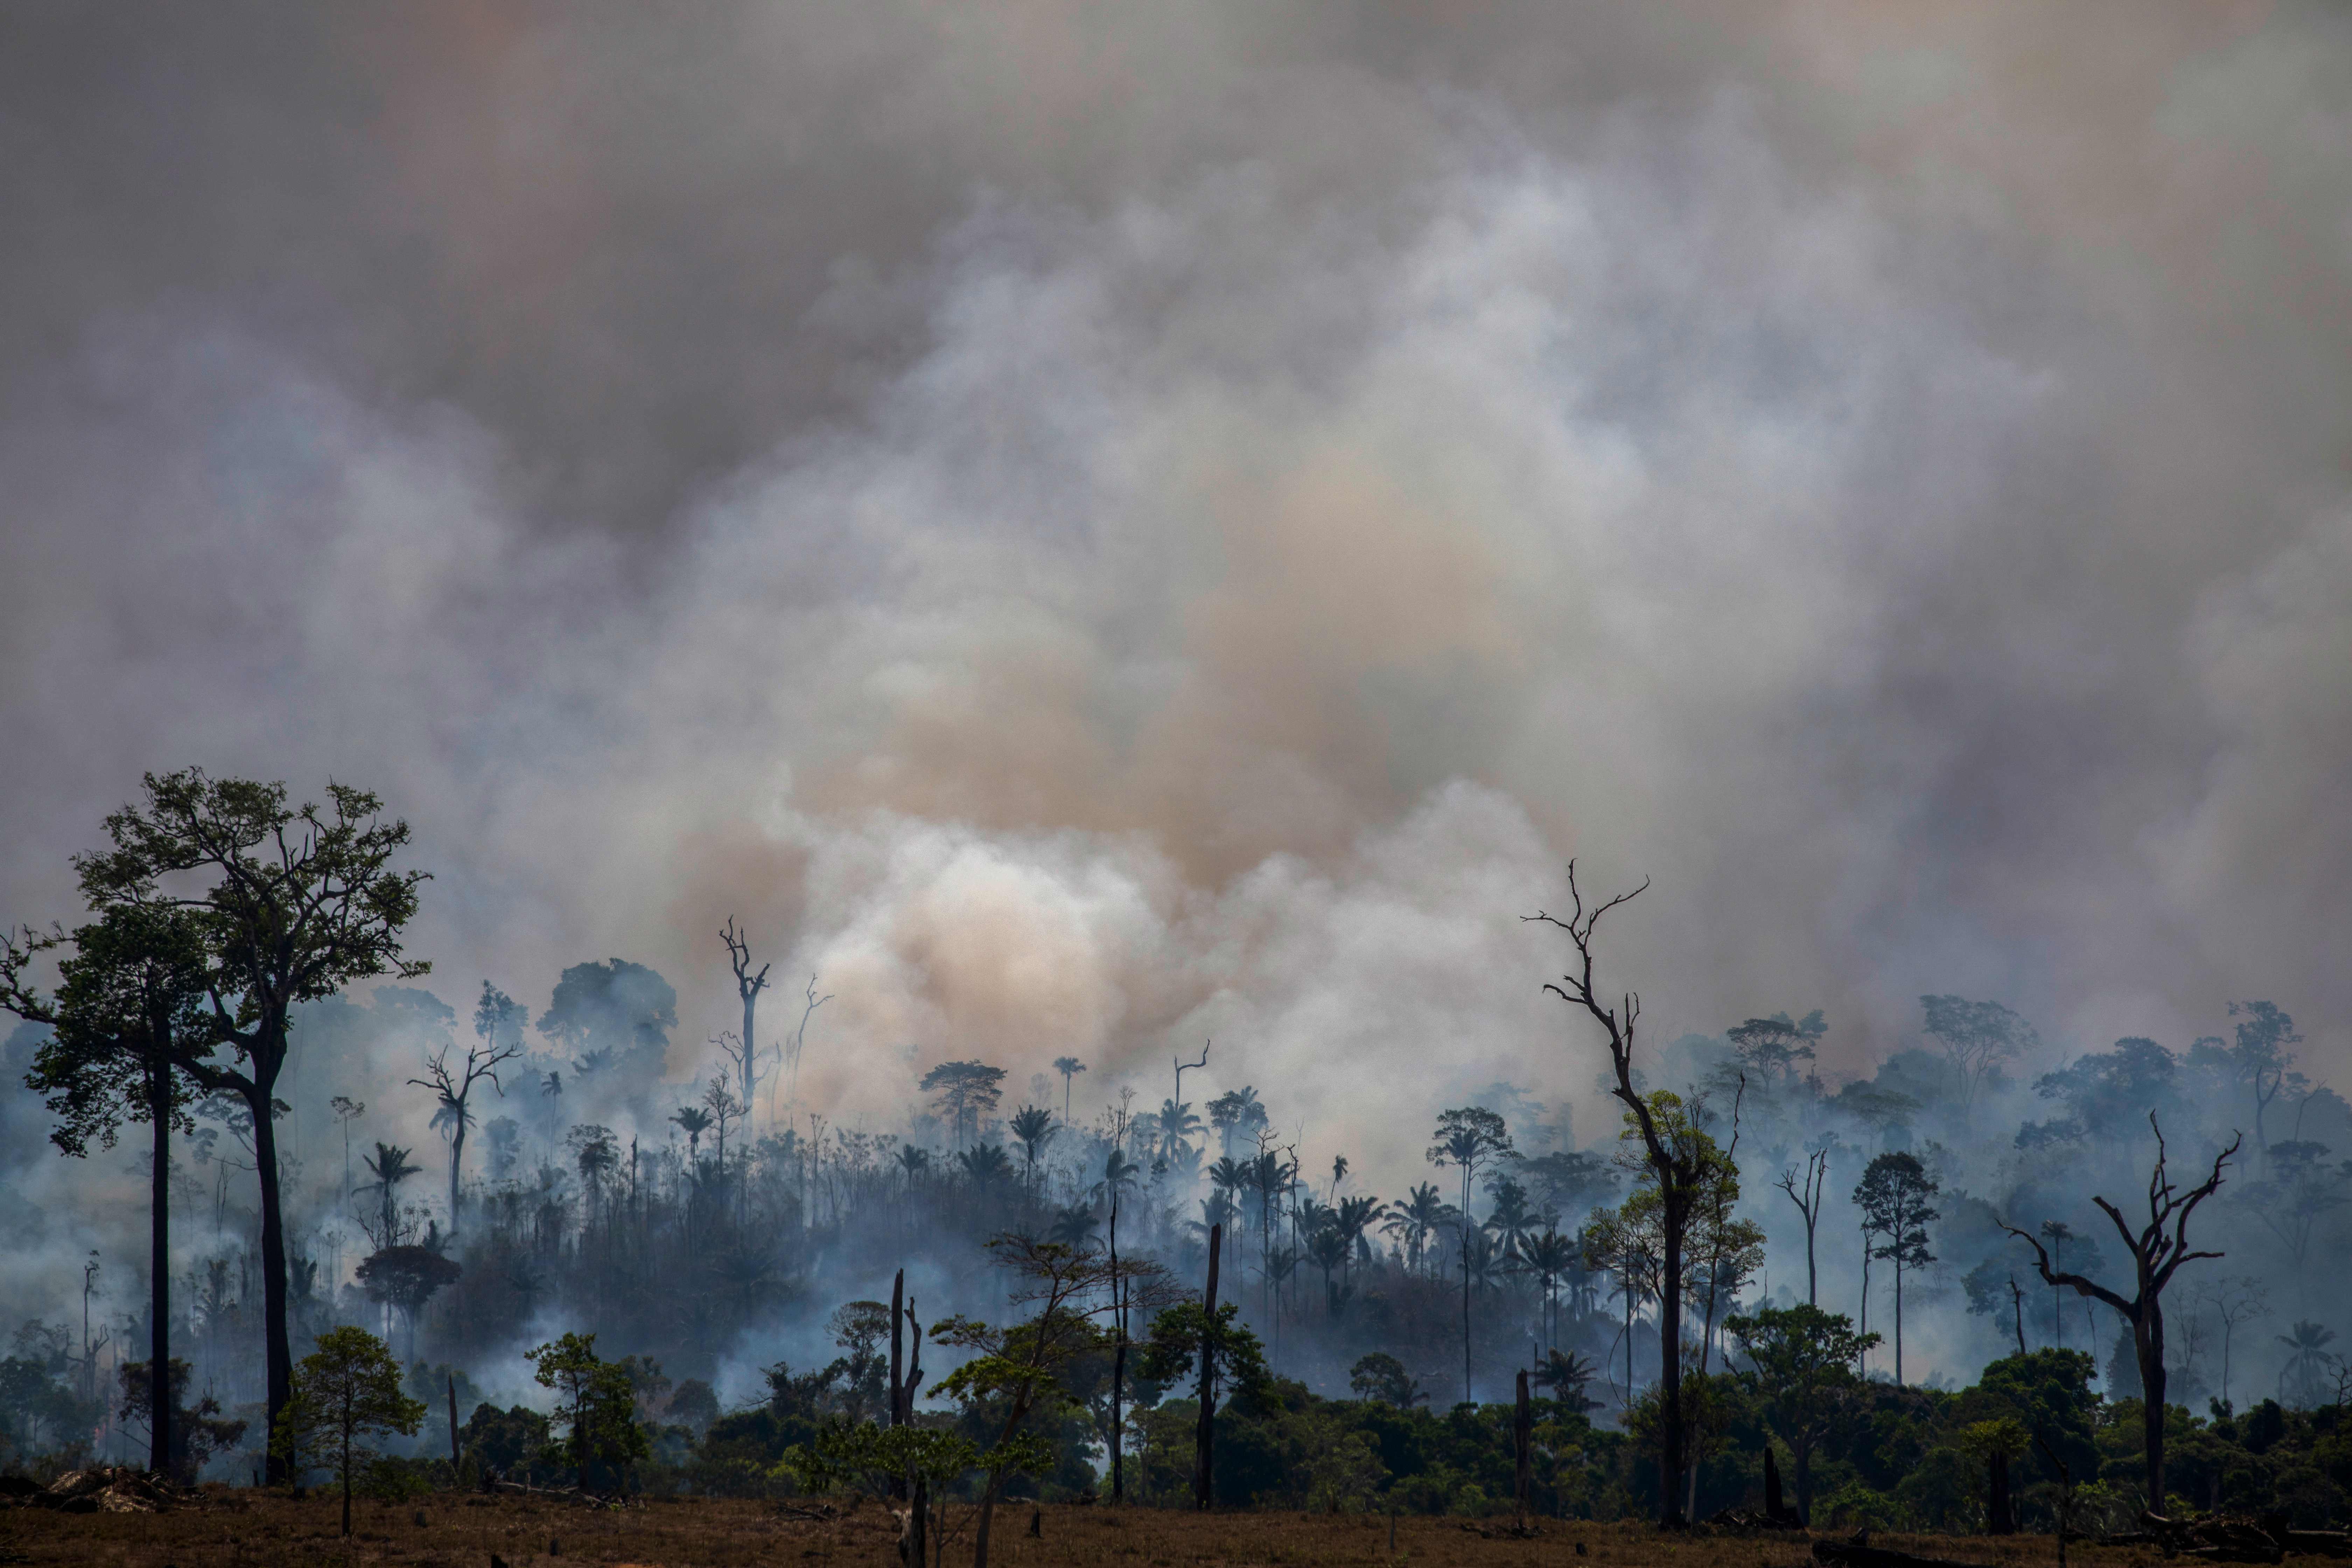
[[1090, 528]]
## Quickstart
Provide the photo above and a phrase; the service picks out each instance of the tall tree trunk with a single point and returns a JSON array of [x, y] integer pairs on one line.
[[1117, 1368], [1670, 1356], [453, 1427], [898, 1365], [1204, 1444], [159, 1271], [2147, 1337], [1522, 1444], [1899, 1319], [456, 1163], [277, 1345]]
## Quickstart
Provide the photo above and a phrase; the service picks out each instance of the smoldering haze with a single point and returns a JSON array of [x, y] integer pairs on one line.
[[1091, 529]]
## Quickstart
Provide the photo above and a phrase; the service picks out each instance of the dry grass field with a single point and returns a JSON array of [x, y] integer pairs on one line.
[[465, 1533]]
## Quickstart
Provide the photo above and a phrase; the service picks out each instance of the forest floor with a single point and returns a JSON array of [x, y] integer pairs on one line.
[[256, 1530]]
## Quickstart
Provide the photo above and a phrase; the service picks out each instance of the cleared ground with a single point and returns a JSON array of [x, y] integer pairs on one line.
[[464, 1533]]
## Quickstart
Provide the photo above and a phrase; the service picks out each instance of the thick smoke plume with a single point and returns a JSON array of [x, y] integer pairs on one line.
[[1093, 528]]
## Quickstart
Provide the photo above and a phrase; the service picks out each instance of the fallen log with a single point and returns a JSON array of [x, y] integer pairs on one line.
[[2319, 1542], [1853, 1554]]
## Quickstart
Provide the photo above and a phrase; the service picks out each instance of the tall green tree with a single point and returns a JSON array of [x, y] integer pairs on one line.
[[1012, 1371], [345, 1393], [300, 901], [131, 999], [1801, 1362], [1895, 1197], [595, 1404]]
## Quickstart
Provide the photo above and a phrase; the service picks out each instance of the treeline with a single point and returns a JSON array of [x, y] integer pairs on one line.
[[1753, 1223]]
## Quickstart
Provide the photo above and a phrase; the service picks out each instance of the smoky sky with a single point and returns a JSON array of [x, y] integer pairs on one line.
[[1093, 526]]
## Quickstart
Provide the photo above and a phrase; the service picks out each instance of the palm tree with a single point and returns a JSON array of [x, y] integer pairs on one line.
[[1547, 1256], [914, 1164], [1328, 1250], [2310, 1361], [1512, 1221], [1350, 1219], [1467, 1139], [1069, 1067], [986, 1164], [694, 1121], [1033, 1129], [390, 1167], [1119, 1174], [1074, 1227], [1416, 1219], [1177, 1126]]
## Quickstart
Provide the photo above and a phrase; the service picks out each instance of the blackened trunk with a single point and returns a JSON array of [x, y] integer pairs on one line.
[[453, 1427], [1117, 1368], [1776, 1507], [899, 1366], [1671, 1465], [1204, 1444], [1999, 1520], [1522, 1449], [277, 1345], [159, 1272], [2148, 1338]]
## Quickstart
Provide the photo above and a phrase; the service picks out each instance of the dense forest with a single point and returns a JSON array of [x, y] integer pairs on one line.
[[1983, 1253]]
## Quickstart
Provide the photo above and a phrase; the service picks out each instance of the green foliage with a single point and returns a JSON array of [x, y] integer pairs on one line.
[[595, 1407], [1172, 1348], [346, 1393]]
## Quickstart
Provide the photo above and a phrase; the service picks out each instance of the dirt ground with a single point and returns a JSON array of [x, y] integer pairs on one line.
[[456, 1531]]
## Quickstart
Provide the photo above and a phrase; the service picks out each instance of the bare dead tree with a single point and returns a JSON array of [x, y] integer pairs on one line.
[[791, 1058], [1183, 1066], [1680, 1166], [1807, 1193], [2158, 1249], [454, 1086], [748, 985]]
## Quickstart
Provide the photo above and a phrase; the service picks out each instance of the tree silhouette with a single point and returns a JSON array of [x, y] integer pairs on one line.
[[1771, 1047], [963, 1092], [1807, 1192], [2157, 1249], [2307, 1361], [1677, 1168], [1894, 1195], [390, 1167], [694, 1121], [1469, 1139], [1033, 1129], [498, 1025], [131, 998], [1069, 1067], [300, 903], [1976, 1038], [749, 984]]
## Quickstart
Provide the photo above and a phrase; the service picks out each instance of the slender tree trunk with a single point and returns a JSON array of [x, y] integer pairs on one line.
[[2147, 1336], [1204, 1448], [347, 1471], [453, 1427], [278, 1346], [1522, 1443], [1117, 1368], [1812, 1274], [1465, 1284], [898, 1365], [1803, 1448], [1670, 1354], [159, 1271], [1898, 1318], [456, 1163]]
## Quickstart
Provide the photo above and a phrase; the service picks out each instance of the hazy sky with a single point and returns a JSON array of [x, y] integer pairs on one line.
[[1091, 525]]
